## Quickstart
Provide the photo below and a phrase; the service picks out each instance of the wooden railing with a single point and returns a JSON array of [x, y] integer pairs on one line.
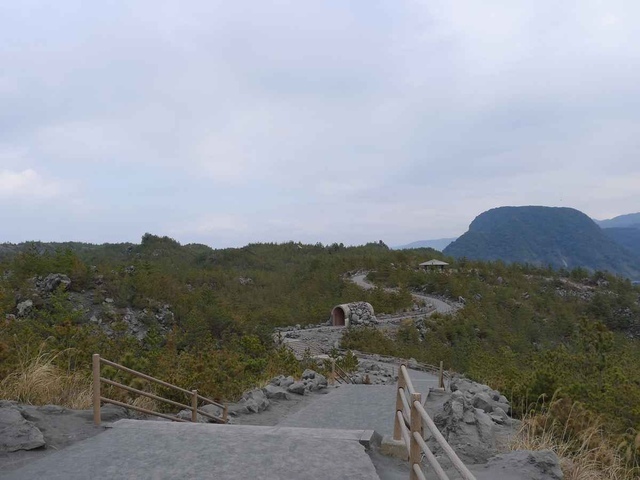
[[443, 375], [338, 374], [192, 394], [410, 420]]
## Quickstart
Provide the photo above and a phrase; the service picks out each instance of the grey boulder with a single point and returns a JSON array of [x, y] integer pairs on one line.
[[186, 415], [24, 308], [212, 410], [483, 401], [255, 400], [275, 393], [276, 380], [16, 433], [298, 388], [308, 373], [55, 280], [286, 382]]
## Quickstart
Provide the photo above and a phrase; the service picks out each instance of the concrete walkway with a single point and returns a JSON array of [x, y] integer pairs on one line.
[[357, 406], [137, 449]]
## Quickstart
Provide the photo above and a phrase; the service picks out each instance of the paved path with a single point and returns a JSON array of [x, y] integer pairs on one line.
[[141, 450], [357, 406], [440, 306]]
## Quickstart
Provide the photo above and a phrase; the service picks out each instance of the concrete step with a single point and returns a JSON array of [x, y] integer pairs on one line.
[[164, 450]]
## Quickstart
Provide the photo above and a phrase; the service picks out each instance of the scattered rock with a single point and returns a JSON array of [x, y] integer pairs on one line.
[[24, 308], [52, 282]]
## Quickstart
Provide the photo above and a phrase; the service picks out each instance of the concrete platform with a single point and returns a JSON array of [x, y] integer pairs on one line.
[[135, 449]]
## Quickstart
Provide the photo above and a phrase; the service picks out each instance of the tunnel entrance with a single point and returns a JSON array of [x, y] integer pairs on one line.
[[338, 317]]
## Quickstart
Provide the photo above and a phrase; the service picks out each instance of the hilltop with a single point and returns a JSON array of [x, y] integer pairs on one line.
[[559, 237]]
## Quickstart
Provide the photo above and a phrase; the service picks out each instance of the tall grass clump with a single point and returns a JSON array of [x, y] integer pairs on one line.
[[38, 380], [578, 439]]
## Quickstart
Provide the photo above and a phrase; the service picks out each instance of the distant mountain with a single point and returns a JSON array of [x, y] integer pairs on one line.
[[631, 220], [629, 238], [624, 230], [438, 244], [560, 237]]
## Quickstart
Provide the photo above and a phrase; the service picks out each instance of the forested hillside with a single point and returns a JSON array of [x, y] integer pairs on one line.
[[560, 237], [164, 307]]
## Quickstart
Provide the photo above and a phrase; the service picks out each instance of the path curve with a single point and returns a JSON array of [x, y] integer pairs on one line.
[[440, 305]]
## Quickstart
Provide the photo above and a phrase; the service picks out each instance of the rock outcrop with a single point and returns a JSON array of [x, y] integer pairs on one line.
[[16, 432], [474, 420]]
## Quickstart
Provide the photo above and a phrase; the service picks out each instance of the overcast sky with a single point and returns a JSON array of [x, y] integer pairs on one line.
[[228, 122]]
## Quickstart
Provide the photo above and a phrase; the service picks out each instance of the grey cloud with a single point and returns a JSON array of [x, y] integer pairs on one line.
[[227, 122]]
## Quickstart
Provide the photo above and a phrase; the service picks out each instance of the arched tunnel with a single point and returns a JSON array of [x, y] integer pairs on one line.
[[354, 313], [338, 316]]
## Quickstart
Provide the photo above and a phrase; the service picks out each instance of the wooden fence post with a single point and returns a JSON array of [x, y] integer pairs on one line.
[[225, 413], [333, 371], [194, 405], [397, 432], [441, 381], [96, 389], [415, 451]]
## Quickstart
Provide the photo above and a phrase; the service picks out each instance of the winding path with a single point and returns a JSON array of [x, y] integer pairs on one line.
[[318, 340], [440, 305]]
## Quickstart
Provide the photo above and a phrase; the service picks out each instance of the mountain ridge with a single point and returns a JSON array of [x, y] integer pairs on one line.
[[629, 220], [557, 236]]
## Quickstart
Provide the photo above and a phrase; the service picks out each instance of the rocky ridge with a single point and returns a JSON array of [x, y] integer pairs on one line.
[[93, 306]]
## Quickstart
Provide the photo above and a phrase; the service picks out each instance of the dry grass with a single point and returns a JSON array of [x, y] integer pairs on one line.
[[585, 453], [39, 381]]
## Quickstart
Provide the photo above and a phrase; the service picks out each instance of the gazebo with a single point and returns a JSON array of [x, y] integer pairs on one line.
[[434, 265]]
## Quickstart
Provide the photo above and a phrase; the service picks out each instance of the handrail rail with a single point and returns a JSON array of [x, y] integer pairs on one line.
[[343, 375], [407, 379], [97, 397], [339, 374], [410, 420]]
